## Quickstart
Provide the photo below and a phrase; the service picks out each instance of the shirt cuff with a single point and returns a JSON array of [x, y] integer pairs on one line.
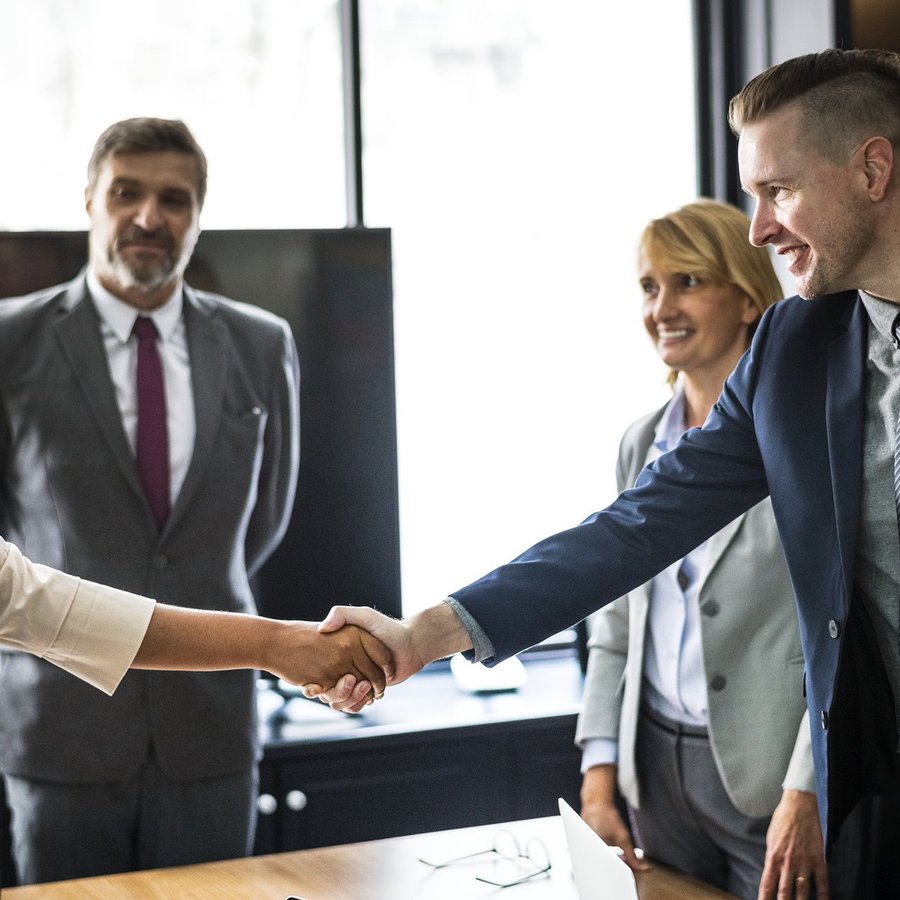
[[482, 648], [599, 752], [101, 634]]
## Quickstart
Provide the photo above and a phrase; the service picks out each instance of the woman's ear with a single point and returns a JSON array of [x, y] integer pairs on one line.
[[751, 312]]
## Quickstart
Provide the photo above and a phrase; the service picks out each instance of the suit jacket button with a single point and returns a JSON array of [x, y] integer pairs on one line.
[[824, 717], [834, 629], [710, 608], [718, 682], [161, 561]]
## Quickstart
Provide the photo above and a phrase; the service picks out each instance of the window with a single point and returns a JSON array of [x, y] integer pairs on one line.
[[517, 149], [257, 81]]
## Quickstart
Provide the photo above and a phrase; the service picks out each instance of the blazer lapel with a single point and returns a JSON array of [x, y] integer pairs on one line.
[[719, 542], [717, 546], [844, 411], [78, 332], [209, 347]]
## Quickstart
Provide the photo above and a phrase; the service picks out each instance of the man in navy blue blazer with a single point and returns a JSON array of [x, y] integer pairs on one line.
[[808, 417]]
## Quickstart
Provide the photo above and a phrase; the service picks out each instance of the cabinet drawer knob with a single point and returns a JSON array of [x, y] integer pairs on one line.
[[266, 804], [296, 800]]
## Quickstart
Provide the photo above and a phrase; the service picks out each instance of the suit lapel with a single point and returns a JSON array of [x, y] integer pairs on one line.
[[717, 546], [639, 598], [78, 332], [209, 347], [844, 411], [719, 542]]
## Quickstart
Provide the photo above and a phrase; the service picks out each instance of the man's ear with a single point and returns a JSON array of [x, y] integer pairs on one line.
[[878, 159]]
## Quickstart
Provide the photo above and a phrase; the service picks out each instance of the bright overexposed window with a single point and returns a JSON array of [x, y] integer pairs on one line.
[[257, 81], [517, 148]]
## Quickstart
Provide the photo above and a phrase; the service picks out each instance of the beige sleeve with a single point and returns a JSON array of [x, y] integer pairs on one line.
[[87, 629]]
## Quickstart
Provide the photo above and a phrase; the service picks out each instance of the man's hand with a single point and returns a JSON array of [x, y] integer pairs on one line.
[[431, 634], [598, 809], [351, 661], [394, 634], [795, 859]]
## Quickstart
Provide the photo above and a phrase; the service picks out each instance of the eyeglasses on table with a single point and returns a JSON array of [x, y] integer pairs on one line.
[[506, 847]]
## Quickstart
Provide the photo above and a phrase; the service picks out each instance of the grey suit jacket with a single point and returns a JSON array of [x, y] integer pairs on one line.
[[70, 498], [758, 724]]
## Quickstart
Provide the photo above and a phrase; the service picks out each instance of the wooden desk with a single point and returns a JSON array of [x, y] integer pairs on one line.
[[375, 870]]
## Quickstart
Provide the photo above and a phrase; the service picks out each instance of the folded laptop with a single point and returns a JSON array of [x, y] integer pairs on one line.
[[598, 871]]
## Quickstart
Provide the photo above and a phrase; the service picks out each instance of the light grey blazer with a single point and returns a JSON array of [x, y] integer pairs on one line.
[[758, 724], [70, 497]]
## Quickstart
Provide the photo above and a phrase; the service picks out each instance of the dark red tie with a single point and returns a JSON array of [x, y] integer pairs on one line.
[[152, 444]]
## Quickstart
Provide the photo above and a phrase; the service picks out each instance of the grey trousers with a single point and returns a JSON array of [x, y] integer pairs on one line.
[[687, 821], [62, 831]]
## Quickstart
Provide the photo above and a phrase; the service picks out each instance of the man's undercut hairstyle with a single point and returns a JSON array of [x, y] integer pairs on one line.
[[148, 135], [846, 96]]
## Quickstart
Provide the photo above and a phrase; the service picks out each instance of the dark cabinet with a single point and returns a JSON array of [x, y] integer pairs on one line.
[[426, 758], [382, 791]]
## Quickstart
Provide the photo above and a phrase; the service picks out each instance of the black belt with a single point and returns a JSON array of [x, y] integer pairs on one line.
[[671, 726]]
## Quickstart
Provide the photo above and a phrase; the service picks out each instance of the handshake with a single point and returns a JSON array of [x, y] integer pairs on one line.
[[347, 661], [358, 652]]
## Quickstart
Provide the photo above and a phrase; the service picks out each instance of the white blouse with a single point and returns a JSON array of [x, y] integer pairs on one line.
[[90, 630]]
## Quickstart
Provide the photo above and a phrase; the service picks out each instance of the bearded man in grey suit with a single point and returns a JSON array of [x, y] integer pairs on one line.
[[164, 772]]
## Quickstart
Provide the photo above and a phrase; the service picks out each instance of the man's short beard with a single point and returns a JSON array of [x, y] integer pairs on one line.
[[142, 278]]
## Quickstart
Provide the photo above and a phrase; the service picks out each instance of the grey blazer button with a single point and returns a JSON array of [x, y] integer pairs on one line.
[[161, 561], [834, 629], [710, 608], [718, 682], [823, 716]]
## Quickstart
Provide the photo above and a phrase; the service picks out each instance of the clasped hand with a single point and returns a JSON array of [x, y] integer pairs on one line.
[[381, 637], [376, 651], [346, 661]]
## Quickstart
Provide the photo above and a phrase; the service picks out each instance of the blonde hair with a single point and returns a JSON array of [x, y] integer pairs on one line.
[[710, 240]]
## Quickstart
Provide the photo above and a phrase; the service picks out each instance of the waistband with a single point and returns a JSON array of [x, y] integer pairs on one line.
[[671, 726]]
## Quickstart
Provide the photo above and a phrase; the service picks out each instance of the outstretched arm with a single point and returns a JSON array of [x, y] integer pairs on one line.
[[97, 632], [203, 640], [431, 634]]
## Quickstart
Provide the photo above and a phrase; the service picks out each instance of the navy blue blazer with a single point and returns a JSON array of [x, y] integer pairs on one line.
[[789, 423]]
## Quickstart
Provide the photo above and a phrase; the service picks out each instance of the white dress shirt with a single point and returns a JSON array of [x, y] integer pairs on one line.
[[116, 323], [87, 629]]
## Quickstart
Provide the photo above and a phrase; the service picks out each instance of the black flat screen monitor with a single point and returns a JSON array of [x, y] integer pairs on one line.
[[334, 288]]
